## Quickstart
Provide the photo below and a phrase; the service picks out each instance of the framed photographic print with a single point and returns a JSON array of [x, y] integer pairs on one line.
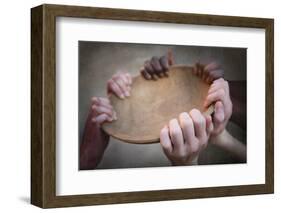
[[135, 106]]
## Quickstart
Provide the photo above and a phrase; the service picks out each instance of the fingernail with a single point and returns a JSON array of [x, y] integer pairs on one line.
[[122, 96]]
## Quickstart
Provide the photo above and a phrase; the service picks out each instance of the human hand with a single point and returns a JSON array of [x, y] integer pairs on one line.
[[157, 67], [102, 111], [183, 140], [208, 72], [219, 94], [94, 140], [120, 85]]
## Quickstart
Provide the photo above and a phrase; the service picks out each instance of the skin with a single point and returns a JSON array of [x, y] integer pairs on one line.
[[157, 67], [238, 94], [212, 71], [119, 85], [208, 72], [189, 138], [219, 95], [95, 141], [231, 145], [184, 139]]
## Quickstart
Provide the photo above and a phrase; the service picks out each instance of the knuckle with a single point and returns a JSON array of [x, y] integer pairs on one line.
[[94, 107], [194, 148], [204, 143], [194, 112], [185, 120], [128, 76], [151, 72], [175, 132], [148, 67], [154, 58], [193, 151], [163, 132], [197, 117], [183, 115], [199, 122], [173, 121], [122, 77], [110, 82], [158, 69], [218, 104], [116, 77], [94, 99]]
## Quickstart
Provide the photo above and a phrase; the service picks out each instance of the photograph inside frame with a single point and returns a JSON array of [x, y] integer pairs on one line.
[[155, 105]]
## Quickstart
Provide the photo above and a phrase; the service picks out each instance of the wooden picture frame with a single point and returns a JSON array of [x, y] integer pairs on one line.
[[43, 105]]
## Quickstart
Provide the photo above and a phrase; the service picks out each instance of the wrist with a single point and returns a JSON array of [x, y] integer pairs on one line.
[[193, 162], [217, 139], [189, 162]]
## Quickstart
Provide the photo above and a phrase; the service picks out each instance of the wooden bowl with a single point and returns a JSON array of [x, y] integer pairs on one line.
[[153, 103]]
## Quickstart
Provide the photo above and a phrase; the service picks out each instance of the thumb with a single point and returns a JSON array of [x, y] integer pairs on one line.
[[219, 113], [209, 124]]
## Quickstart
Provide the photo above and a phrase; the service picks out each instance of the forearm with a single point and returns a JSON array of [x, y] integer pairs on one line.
[[192, 162], [94, 143], [230, 144], [238, 94]]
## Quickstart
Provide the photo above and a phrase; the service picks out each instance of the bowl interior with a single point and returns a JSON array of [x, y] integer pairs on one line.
[[153, 103]]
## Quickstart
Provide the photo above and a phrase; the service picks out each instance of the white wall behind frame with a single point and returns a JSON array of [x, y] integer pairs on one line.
[[15, 111]]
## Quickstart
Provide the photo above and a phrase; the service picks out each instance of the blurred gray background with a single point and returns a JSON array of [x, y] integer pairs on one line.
[[98, 61]]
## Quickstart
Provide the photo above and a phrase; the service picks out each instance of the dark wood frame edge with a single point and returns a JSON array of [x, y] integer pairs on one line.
[[43, 104]]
